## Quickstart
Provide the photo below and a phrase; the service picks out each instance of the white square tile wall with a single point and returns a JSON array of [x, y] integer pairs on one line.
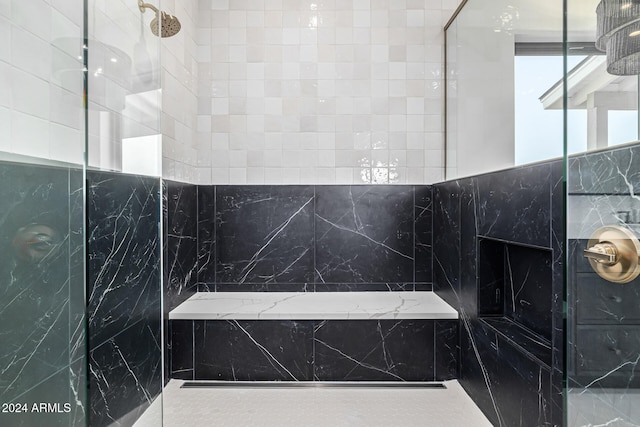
[[41, 80], [331, 92], [186, 155]]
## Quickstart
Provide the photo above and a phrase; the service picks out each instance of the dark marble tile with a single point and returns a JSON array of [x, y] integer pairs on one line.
[[206, 234], [387, 350], [470, 289], [472, 273], [38, 300], [181, 348], [603, 328], [364, 234], [264, 234], [124, 293], [367, 287], [262, 287], [253, 350], [447, 350], [123, 252], [55, 391], [126, 375], [528, 288], [558, 246], [515, 282], [491, 278], [528, 343], [181, 243], [508, 387], [209, 287], [423, 218], [77, 261], [446, 242], [515, 205], [607, 356], [608, 172], [598, 301]]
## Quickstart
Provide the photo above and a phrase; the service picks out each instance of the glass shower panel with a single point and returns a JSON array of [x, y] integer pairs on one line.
[[503, 59], [42, 287], [124, 313], [603, 215]]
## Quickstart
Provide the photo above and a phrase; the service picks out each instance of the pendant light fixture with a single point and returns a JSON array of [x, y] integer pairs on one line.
[[618, 35]]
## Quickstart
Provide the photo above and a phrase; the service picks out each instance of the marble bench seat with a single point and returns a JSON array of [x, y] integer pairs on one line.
[[313, 306], [314, 336]]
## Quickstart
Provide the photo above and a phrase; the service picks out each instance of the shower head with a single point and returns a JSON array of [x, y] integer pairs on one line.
[[169, 25], [163, 25]]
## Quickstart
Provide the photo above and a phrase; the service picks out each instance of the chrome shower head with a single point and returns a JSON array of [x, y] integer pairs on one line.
[[163, 25]]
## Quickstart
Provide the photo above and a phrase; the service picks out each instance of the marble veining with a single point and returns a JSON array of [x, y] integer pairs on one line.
[[604, 335], [364, 234], [264, 234], [41, 292], [313, 306], [124, 296], [384, 350], [316, 350], [305, 238], [495, 269]]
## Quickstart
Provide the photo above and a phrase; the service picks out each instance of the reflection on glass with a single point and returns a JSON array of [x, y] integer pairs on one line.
[[42, 293], [603, 329]]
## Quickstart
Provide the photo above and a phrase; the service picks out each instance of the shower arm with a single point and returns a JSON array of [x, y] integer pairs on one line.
[[142, 6]]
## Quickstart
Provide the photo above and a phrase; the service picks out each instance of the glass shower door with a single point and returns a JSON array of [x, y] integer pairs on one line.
[[603, 216], [42, 283]]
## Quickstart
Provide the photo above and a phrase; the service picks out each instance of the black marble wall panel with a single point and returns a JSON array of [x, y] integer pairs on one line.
[[469, 226], [393, 350], [491, 278], [364, 234], [446, 350], [334, 350], [182, 348], [41, 321], [375, 287], [492, 233], [604, 329], [515, 205], [611, 172], [303, 239], [206, 237], [264, 234], [528, 297], [181, 253], [514, 389], [307, 238], [446, 242], [181, 245], [265, 350], [123, 275], [514, 282], [126, 375], [124, 294], [559, 252], [423, 229]]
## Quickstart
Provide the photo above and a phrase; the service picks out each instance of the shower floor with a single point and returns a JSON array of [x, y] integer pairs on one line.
[[317, 407]]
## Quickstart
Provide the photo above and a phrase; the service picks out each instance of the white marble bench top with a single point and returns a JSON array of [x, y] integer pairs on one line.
[[313, 306]]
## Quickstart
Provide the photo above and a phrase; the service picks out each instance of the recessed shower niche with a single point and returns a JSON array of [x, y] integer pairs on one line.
[[515, 294]]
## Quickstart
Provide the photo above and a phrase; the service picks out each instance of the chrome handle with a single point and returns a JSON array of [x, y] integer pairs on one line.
[[604, 253]]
